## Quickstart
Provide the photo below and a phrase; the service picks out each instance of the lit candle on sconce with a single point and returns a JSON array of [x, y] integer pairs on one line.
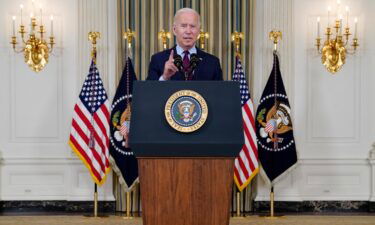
[[340, 19], [329, 12], [21, 7], [33, 5], [41, 14], [32, 2], [338, 6], [347, 16], [31, 23], [318, 26], [51, 25], [14, 25], [355, 27]]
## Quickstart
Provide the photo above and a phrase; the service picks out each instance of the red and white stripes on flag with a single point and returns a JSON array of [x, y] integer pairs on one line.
[[246, 164], [89, 136], [270, 126]]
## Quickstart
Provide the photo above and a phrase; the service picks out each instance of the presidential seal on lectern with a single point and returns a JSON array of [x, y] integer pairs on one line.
[[186, 111]]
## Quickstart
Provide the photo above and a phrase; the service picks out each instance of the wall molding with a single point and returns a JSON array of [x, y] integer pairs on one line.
[[320, 180], [36, 163]]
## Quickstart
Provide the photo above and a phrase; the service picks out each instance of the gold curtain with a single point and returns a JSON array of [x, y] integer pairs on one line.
[[220, 18]]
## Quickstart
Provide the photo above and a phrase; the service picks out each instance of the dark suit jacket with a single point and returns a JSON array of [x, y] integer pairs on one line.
[[208, 68]]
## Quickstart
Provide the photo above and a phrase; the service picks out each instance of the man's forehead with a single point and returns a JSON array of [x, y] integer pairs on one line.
[[186, 17]]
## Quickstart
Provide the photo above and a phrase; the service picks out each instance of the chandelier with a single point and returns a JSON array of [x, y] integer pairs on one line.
[[336, 44], [33, 43]]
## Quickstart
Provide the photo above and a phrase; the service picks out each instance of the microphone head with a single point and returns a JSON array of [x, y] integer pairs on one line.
[[194, 61], [177, 61]]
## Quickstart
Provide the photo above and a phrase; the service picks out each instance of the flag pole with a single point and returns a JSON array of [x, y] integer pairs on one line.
[[96, 200], [275, 36], [92, 36], [238, 204], [272, 202], [236, 39], [129, 35], [128, 205]]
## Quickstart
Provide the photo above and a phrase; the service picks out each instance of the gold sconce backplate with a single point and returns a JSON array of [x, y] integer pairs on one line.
[[36, 54], [333, 55]]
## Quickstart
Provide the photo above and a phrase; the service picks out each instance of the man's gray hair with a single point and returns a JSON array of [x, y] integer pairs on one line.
[[186, 10]]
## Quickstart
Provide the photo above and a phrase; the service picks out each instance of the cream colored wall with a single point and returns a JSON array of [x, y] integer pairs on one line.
[[333, 123], [36, 108]]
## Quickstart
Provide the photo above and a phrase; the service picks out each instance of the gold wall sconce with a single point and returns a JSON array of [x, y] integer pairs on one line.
[[202, 39], [35, 49], [336, 45], [236, 38], [164, 36]]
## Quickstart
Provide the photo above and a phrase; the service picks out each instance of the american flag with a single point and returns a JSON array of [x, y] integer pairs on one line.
[[90, 126], [246, 164]]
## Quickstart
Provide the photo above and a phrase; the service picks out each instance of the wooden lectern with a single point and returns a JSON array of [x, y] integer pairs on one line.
[[186, 178]]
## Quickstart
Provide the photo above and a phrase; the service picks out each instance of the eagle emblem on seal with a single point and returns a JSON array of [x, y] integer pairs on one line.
[[277, 121], [186, 110]]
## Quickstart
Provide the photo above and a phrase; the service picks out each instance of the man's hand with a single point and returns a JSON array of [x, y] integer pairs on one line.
[[169, 67]]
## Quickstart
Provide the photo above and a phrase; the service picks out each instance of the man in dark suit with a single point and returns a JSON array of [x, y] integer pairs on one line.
[[193, 63]]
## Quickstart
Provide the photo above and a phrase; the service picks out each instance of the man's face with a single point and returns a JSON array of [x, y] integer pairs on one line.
[[186, 29]]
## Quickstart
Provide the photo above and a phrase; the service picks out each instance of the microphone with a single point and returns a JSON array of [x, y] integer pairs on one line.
[[178, 61], [194, 61]]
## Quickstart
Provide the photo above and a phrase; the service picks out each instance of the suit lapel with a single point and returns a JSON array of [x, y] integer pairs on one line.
[[200, 64]]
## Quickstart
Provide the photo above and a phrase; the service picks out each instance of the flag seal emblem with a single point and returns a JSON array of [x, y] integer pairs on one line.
[[186, 111], [121, 124], [277, 121]]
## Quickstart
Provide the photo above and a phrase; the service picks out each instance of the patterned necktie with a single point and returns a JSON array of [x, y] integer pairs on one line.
[[186, 61]]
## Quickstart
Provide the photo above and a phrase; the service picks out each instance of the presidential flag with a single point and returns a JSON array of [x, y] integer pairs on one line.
[[246, 164], [89, 136], [123, 160], [274, 127]]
